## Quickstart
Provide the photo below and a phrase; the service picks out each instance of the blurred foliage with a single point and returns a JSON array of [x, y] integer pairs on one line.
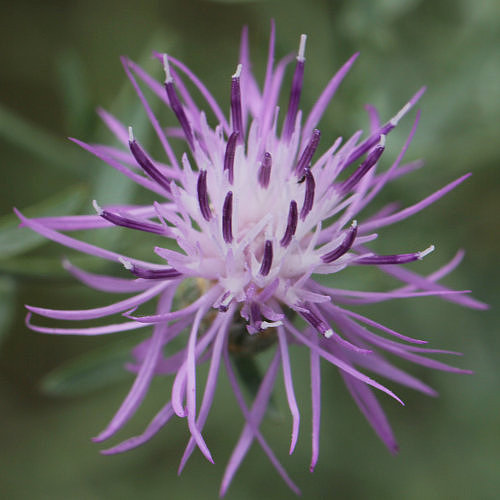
[[61, 60]]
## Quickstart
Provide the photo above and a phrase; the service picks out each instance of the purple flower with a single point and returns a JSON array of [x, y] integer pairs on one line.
[[256, 214]]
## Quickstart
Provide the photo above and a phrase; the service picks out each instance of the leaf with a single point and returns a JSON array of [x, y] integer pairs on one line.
[[7, 302], [249, 373], [74, 90], [89, 372], [236, 1], [15, 240], [34, 267], [40, 143]]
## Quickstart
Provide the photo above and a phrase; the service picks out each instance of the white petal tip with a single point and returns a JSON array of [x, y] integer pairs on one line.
[[237, 74], [302, 48], [395, 120], [425, 252], [126, 263], [166, 68], [97, 208], [270, 324]]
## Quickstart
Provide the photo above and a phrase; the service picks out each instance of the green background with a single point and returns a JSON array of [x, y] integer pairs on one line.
[[60, 60]]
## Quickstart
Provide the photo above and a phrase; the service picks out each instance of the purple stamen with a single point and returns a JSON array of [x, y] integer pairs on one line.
[[265, 170], [316, 322], [308, 153], [309, 195], [150, 274], [229, 155], [267, 259], [402, 258], [236, 115], [362, 170], [368, 143], [293, 103], [344, 247], [255, 314], [227, 218], [203, 195], [364, 147], [128, 222], [291, 226], [147, 165], [176, 104]]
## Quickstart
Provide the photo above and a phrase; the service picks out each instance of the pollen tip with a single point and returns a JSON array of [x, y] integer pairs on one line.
[[395, 120], [131, 137], [126, 263], [270, 324], [237, 74], [302, 48], [166, 68], [382, 141], [425, 252], [97, 208], [354, 224], [328, 333]]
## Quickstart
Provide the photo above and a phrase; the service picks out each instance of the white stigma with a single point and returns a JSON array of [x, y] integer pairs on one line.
[[328, 333], [425, 252], [237, 74], [97, 208], [270, 324], [382, 141], [126, 263], [131, 137], [395, 120], [354, 224], [166, 67], [302, 48], [227, 300]]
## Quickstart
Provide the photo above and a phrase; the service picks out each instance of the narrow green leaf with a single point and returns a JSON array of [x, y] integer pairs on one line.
[[34, 267], [15, 240], [249, 373], [59, 153], [7, 302], [73, 87], [91, 371]]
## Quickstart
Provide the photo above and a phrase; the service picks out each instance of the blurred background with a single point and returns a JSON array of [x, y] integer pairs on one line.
[[60, 61]]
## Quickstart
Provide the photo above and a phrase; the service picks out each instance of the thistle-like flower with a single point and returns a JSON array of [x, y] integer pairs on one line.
[[256, 215]]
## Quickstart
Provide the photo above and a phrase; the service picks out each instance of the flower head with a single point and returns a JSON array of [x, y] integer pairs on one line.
[[256, 215]]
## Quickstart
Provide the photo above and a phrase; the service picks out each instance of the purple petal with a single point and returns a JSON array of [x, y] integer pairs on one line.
[[73, 243], [191, 386], [254, 427], [290, 393], [100, 312], [96, 330], [152, 118], [106, 283], [141, 384], [315, 403], [339, 363], [371, 409], [219, 344], [326, 96], [160, 419], [407, 212]]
